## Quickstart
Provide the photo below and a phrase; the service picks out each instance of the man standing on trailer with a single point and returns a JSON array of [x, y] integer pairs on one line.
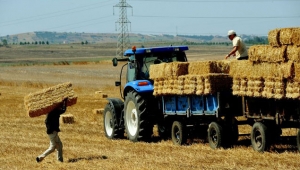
[[239, 49]]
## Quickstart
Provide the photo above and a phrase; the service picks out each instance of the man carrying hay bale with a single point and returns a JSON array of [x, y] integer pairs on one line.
[[239, 48], [52, 125]]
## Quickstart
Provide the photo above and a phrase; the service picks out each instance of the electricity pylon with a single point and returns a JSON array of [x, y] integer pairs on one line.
[[123, 38]]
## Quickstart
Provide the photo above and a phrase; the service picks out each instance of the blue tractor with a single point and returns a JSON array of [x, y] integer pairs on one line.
[[139, 110]]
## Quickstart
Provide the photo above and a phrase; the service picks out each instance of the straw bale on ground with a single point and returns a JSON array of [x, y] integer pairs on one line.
[[240, 69], [66, 119], [44, 101], [293, 53], [273, 37]]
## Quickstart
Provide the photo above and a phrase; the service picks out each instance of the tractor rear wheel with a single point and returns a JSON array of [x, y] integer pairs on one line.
[[111, 128], [136, 116]]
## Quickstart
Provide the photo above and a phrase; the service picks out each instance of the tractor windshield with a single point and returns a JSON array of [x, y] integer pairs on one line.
[[145, 60]]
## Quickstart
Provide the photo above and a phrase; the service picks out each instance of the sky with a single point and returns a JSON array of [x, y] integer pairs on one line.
[[173, 17]]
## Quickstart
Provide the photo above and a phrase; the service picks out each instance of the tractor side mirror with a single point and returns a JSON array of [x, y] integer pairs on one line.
[[115, 61]]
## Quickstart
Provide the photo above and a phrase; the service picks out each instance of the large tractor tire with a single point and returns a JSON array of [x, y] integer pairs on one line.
[[179, 134], [111, 128], [260, 137], [215, 135], [137, 125]]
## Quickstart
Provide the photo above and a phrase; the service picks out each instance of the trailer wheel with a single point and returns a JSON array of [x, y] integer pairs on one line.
[[112, 131], [298, 140], [178, 133], [135, 117], [215, 135], [259, 137]]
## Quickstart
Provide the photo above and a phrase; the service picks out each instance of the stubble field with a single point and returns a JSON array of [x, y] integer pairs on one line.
[[84, 143]]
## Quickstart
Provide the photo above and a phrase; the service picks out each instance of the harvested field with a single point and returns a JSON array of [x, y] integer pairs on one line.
[[85, 144]]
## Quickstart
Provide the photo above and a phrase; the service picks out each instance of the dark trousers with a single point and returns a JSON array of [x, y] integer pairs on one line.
[[243, 58]]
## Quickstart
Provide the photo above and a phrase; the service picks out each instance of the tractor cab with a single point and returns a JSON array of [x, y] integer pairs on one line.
[[140, 59]]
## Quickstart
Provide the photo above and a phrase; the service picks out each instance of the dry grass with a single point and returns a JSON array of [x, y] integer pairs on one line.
[[85, 145]]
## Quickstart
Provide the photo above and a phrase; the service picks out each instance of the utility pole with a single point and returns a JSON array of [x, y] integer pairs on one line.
[[123, 38]]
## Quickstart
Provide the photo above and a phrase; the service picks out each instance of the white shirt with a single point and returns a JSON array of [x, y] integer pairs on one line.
[[242, 50]]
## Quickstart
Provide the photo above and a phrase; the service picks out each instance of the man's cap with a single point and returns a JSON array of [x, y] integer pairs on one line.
[[231, 32]]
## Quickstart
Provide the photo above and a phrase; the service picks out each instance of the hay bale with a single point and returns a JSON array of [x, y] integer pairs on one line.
[[241, 69], [169, 86], [158, 86], [157, 70], [266, 53], [257, 53], [179, 68], [285, 36], [274, 88], [190, 84], [255, 86], [216, 82], [44, 101], [200, 85], [297, 71], [293, 53], [296, 37], [273, 37], [292, 89], [206, 67], [67, 119], [164, 70]]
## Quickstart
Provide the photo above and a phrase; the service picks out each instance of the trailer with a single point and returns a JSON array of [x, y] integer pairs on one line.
[[176, 116]]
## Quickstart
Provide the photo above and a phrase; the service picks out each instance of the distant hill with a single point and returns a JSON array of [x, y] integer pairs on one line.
[[69, 37]]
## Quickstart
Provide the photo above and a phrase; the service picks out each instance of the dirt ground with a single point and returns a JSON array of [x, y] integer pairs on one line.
[[85, 145]]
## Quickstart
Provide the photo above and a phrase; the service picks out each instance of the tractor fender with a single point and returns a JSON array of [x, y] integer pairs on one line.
[[140, 86], [118, 106]]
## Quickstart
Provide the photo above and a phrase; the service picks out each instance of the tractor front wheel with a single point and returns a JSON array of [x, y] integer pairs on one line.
[[111, 128]]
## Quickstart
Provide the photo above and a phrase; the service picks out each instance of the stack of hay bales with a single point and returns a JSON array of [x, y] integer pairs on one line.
[[190, 78], [271, 71], [44, 101]]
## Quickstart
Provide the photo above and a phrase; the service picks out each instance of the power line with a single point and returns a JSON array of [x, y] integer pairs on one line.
[[216, 17], [52, 14]]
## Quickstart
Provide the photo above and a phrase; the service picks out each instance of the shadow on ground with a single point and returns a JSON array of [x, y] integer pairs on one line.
[[72, 160]]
